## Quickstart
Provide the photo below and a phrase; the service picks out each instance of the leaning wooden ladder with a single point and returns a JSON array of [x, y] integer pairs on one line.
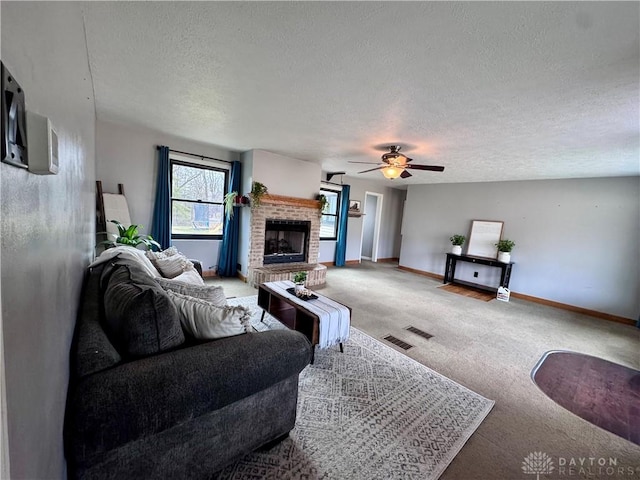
[[116, 208]]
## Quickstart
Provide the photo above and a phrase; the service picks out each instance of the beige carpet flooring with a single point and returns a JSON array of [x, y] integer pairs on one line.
[[491, 347]]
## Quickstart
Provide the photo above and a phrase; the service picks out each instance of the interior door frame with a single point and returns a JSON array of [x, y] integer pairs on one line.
[[376, 228], [4, 430]]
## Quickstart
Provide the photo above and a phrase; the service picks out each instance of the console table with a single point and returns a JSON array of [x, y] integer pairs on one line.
[[450, 269]]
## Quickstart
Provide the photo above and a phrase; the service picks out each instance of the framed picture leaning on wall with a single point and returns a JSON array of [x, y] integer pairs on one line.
[[483, 238]]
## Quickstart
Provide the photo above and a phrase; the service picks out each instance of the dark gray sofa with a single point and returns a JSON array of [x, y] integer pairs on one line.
[[183, 413]]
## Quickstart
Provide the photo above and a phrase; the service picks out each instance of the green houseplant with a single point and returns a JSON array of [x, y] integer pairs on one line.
[[258, 190], [229, 202], [299, 278], [504, 250], [457, 241], [130, 236], [233, 199], [323, 202]]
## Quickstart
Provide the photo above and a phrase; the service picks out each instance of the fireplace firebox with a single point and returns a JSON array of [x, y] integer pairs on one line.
[[286, 241]]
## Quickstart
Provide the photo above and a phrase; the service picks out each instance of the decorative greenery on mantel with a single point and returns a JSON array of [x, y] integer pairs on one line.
[[323, 202], [258, 190]]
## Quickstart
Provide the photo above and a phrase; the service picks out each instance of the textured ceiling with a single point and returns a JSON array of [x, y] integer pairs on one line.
[[492, 91]]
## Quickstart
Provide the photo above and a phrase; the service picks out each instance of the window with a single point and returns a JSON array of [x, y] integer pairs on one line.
[[329, 219], [197, 195]]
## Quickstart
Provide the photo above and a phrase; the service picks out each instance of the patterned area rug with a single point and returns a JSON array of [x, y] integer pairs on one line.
[[368, 413]]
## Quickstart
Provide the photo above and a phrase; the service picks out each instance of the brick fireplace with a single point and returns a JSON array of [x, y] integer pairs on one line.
[[285, 211]]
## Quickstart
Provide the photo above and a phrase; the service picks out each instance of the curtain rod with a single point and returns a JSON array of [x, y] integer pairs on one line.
[[196, 155], [331, 183]]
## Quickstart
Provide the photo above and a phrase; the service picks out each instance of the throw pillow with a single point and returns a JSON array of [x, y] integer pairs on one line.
[[210, 293], [206, 321], [174, 265], [139, 315], [169, 252], [190, 276]]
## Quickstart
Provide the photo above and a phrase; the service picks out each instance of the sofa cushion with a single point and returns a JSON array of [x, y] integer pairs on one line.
[[149, 396], [169, 252], [192, 277], [174, 265], [139, 315], [92, 350], [210, 293], [206, 321]]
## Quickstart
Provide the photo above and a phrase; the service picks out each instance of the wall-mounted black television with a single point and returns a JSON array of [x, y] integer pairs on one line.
[[14, 121]]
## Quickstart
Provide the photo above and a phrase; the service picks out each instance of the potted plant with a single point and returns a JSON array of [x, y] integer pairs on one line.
[[258, 190], [457, 241], [299, 278], [504, 250], [229, 203], [129, 236], [323, 202]]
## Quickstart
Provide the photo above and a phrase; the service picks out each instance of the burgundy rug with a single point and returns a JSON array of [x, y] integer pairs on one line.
[[601, 392]]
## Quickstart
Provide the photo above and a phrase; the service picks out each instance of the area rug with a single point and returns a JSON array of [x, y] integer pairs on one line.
[[468, 291], [601, 392], [368, 413]]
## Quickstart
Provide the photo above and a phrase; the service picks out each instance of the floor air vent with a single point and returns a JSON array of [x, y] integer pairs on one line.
[[396, 341], [417, 331]]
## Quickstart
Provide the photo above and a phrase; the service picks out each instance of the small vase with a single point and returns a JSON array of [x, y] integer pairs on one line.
[[299, 287], [456, 249], [504, 257]]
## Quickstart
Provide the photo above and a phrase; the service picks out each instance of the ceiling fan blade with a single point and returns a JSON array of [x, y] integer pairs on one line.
[[372, 169], [405, 174], [433, 168], [368, 163]]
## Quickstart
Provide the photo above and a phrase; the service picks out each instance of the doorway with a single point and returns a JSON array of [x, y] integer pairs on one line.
[[371, 226]]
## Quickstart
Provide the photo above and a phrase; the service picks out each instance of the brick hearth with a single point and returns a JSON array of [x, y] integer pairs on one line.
[[284, 208]]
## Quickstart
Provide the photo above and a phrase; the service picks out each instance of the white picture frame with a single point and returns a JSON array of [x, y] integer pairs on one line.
[[483, 238], [354, 206]]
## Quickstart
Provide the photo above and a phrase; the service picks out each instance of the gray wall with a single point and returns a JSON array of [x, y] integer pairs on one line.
[[285, 175], [577, 241], [128, 155], [282, 176], [392, 208], [392, 211], [47, 231], [369, 206], [244, 235]]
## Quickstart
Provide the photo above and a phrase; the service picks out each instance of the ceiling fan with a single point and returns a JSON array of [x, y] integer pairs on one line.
[[395, 164]]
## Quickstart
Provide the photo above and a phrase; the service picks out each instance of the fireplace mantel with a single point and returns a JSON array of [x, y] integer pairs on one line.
[[269, 199]]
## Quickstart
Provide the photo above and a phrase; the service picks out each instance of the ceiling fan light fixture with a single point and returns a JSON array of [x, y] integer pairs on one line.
[[391, 172]]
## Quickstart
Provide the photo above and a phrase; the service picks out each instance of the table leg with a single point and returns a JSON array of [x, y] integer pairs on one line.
[[262, 317], [447, 268], [313, 353], [341, 348], [506, 276]]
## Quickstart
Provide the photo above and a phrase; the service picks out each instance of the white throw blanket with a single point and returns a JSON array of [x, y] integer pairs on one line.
[[335, 318], [130, 253]]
